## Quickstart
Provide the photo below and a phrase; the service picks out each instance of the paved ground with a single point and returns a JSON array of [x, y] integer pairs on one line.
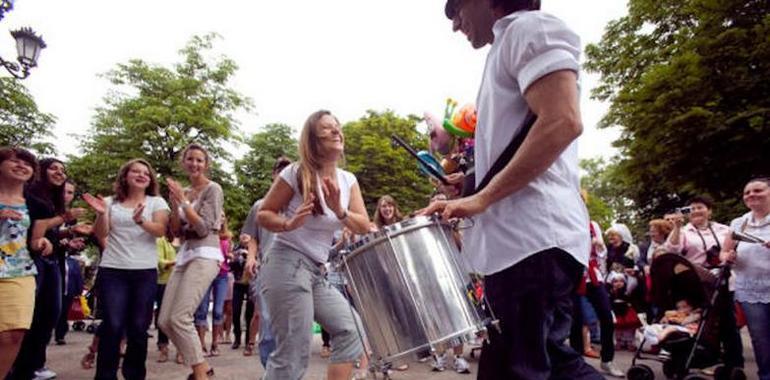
[[232, 365]]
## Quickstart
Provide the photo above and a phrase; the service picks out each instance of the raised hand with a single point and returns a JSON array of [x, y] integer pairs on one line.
[[43, 246], [77, 244], [176, 191], [332, 195], [300, 214], [83, 229], [97, 204], [10, 214], [137, 216]]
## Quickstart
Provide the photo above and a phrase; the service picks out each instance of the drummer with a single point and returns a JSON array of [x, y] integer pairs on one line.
[[309, 201], [529, 236]]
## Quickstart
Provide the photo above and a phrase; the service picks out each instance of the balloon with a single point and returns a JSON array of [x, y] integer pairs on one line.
[[465, 118], [440, 141], [427, 157]]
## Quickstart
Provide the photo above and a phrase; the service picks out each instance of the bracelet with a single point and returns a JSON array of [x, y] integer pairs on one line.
[[344, 215], [139, 222], [186, 204]]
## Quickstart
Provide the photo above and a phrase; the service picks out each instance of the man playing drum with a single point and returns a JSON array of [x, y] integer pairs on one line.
[[529, 238]]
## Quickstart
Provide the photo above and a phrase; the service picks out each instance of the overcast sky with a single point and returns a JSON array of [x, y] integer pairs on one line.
[[294, 56]]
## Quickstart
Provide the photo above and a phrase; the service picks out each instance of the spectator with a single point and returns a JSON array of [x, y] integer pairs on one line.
[[752, 269]]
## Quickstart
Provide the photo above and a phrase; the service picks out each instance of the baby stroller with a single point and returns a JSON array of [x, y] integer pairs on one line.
[[676, 278], [79, 322]]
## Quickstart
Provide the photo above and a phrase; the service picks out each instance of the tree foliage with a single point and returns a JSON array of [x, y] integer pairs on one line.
[[253, 170], [21, 122], [686, 83], [154, 112], [381, 168]]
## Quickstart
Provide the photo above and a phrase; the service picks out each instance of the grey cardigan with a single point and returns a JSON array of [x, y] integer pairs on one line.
[[209, 207]]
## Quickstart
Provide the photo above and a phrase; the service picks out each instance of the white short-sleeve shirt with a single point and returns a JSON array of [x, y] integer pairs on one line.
[[314, 238], [548, 212], [128, 245]]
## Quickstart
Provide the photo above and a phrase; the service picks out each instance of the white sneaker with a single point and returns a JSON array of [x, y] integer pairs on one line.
[[439, 363], [610, 369], [44, 374], [461, 365]]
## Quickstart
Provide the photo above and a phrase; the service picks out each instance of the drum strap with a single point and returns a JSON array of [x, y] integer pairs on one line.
[[507, 154]]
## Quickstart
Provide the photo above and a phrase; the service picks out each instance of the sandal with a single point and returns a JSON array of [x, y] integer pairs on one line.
[[209, 374], [249, 350], [179, 358], [214, 351], [89, 359], [163, 356]]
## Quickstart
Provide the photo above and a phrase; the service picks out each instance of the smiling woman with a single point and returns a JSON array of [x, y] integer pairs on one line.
[[128, 223]]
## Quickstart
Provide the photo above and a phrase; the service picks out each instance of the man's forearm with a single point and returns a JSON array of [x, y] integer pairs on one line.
[[545, 143]]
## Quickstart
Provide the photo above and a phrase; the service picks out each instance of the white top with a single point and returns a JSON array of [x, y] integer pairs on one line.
[[314, 238], [128, 245], [752, 267], [547, 212], [187, 253]]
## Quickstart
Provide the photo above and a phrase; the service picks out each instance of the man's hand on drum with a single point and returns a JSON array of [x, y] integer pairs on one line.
[[457, 208]]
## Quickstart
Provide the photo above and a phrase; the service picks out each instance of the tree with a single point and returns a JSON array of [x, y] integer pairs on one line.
[[253, 170], [154, 112], [684, 81], [606, 202], [21, 122], [381, 168]]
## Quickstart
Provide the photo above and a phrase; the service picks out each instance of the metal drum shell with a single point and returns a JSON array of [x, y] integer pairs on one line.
[[409, 286]]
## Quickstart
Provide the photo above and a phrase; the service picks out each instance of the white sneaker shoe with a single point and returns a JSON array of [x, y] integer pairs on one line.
[[439, 363], [610, 369], [461, 365], [44, 374]]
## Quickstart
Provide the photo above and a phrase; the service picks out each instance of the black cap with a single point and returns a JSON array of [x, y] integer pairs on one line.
[[450, 9]]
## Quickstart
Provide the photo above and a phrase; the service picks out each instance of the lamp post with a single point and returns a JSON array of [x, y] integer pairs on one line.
[[28, 46]]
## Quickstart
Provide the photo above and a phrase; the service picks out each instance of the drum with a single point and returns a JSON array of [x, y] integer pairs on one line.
[[411, 287]]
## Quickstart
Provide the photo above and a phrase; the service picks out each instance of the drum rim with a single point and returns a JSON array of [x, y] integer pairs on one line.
[[390, 231], [462, 334]]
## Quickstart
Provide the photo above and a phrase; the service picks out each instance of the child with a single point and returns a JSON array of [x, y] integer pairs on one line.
[[684, 319], [626, 320]]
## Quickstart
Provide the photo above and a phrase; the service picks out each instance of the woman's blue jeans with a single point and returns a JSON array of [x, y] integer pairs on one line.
[[219, 288], [758, 322]]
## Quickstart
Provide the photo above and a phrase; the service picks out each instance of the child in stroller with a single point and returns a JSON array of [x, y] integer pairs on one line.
[[689, 293]]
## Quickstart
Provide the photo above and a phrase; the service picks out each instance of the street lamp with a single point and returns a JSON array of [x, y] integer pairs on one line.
[[28, 46]]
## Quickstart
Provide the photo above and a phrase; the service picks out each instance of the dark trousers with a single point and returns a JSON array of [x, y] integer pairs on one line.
[[600, 300], [162, 337], [48, 298], [533, 301], [240, 294], [62, 326], [729, 335], [126, 297]]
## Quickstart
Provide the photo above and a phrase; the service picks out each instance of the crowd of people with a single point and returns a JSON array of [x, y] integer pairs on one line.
[[548, 273]]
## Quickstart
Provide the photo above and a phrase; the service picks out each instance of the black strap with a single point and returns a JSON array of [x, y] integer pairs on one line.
[[507, 154], [702, 239]]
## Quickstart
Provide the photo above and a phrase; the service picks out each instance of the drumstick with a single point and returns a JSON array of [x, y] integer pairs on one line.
[[414, 154]]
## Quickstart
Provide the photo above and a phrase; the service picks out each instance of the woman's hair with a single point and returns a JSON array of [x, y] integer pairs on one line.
[[702, 199], [763, 179], [45, 190], [379, 220], [310, 159], [194, 146], [7, 153], [663, 226], [120, 187], [224, 229]]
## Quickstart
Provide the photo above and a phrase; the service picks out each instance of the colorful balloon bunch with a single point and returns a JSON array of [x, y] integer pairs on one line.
[[451, 139]]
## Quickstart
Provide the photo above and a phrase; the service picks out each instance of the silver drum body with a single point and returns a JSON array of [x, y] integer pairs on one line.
[[409, 286]]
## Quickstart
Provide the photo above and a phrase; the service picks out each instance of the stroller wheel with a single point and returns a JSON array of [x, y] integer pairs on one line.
[[640, 372], [78, 325], [694, 376], [90, 329]]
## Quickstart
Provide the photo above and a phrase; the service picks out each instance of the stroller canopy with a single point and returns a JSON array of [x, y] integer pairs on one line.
[[675, 278]]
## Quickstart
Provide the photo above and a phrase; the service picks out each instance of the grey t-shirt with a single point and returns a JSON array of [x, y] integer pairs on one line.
[[252, 228]]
